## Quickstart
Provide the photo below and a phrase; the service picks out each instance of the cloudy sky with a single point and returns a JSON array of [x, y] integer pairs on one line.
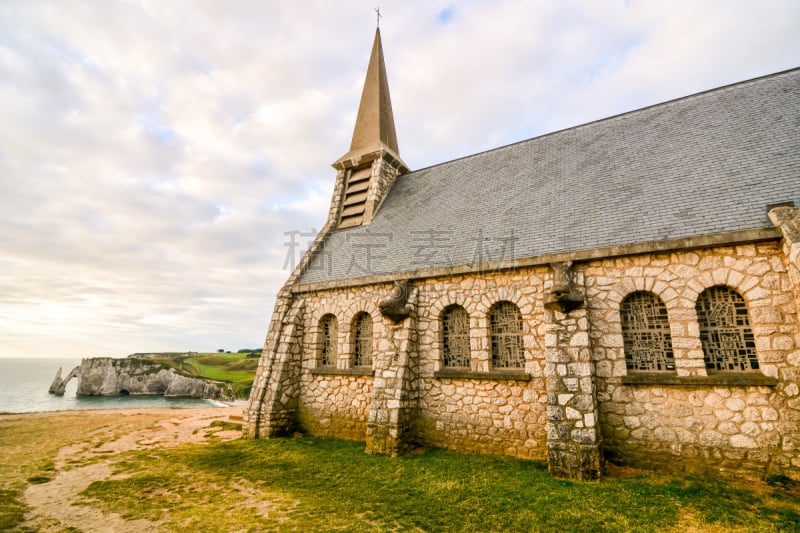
[[154, 154]]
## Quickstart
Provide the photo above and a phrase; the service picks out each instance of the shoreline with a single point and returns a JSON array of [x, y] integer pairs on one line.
[[240, 404]]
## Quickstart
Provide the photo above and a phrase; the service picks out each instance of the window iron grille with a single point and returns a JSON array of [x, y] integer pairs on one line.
[[362, 340], [505, 324], [327, 333], [455, 337], [645, 333], [725, 332]]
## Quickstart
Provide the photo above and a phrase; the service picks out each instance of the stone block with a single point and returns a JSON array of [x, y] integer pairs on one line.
[[735, 404], [580, 338], [564, 399], [584, 436], [710, 438], [743, 441]]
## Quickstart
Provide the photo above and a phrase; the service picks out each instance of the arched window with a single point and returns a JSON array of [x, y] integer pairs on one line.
[[327, 340], [645, 333], [362, 340], [728, 342], [505, 330], [455, 337]]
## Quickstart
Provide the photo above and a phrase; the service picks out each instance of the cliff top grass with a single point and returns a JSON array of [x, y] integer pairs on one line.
[[238, 369], [317, 484]]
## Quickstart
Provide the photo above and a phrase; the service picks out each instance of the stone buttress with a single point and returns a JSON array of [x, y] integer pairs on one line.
[[395, 386], [573, 437], [787, 219]]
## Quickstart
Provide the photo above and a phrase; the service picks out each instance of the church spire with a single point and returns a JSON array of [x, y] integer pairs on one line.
[[366, 173], [374, 129]]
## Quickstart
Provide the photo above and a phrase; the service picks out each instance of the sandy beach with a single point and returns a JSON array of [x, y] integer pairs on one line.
[[56, 505]]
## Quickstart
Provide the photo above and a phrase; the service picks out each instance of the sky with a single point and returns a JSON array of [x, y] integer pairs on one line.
[[157, 156]]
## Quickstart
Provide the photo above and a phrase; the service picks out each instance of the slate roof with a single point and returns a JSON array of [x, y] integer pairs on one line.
[[705, 164]]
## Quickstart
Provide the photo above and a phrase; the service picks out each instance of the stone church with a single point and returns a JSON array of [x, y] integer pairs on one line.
[[625, 290]]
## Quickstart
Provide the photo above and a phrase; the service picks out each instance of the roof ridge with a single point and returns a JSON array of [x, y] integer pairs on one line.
[[666, 103]]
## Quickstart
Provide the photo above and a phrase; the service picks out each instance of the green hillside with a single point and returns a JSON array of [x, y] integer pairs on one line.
[[238, 369]]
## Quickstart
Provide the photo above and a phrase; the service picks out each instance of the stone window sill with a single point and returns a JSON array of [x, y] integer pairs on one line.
[[493, 375], [741, 379], [358, 371]]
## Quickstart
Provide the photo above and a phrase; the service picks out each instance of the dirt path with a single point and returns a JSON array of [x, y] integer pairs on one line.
[[55, 506]]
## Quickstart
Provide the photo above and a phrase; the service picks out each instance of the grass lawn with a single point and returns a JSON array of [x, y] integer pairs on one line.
[[224, 367], [234, 368], [318, 484], [314, 484]]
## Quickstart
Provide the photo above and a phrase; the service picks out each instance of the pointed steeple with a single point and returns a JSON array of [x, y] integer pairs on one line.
[[366, 173], [374, 129]]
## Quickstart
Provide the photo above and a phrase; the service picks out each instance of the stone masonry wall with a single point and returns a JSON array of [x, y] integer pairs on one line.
[[743, 430], [482, 412], [477, 411], [337, 404], [696, 422]]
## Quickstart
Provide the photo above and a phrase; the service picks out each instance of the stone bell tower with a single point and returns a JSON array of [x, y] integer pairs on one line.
[[366, 172], [363, 178]]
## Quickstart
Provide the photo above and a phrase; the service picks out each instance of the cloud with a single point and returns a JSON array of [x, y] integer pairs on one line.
[[156, 157]]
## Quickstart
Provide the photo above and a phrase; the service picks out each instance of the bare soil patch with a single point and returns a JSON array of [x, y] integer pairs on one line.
[[57, 504]]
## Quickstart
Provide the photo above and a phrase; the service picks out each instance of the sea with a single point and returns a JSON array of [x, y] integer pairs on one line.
[[24, 383]]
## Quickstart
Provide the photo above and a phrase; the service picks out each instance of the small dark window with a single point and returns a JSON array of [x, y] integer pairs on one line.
[[645, 333], [455, 337], [728, 342], [327, 340], [505, 329], [362, 340]]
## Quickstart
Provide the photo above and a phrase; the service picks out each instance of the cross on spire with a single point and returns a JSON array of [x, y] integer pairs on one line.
[[378, 16]]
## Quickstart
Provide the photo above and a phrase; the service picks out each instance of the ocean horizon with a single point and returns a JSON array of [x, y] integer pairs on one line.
[[25, 381]]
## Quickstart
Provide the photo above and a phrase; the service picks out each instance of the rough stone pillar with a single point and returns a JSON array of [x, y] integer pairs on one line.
[[394, 389], [573, 437], [788, 220], [273, 399]]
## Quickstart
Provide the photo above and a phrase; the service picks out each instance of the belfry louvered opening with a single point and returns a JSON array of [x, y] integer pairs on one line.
[[355, 197]]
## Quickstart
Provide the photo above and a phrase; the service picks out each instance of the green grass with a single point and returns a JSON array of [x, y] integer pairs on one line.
[[224, 367], [235, 368], [314, 484], [225, 426]]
